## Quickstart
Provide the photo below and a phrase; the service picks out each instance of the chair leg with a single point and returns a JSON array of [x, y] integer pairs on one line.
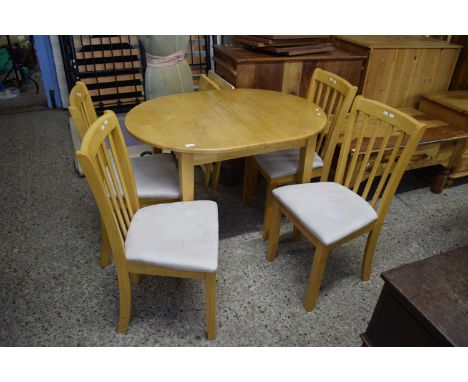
[[207, 170], [250, 179], [134, 278], [315, 277], [275, 221], [125, 292], [210, 288], [369, 253], [216, 174], [266, 214], [105, 247], [296, 234]]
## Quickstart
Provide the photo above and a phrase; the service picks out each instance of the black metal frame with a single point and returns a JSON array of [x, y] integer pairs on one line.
[[73, 73], [72, 67], [17, 67]]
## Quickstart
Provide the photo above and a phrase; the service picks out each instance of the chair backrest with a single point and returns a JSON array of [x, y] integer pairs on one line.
[[104, 158], [206, 84], [223, 84], [377, 146], [81, 108], [335, 96]]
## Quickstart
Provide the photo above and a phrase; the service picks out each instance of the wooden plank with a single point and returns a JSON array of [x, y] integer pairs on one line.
[[240, 55], [118, 77], [107, 53], [455, 100], [394, 42], [291, 37], [301, 50], [109, 66], [259, 42], [116, 90], [80, 41]]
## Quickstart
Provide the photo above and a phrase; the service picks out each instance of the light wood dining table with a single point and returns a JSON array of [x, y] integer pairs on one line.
[[212, 126]]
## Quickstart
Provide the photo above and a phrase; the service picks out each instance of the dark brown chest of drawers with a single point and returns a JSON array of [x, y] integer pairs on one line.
[[423, 304], [250, 69]]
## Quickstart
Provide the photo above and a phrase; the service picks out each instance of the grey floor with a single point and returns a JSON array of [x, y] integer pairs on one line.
[[53, 293], [27, 100]]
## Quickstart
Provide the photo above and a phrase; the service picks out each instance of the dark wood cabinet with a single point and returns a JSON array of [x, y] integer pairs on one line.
[[423, 304], [245, 68]]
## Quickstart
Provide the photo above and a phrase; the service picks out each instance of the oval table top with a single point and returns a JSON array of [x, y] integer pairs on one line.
[[226, 120]]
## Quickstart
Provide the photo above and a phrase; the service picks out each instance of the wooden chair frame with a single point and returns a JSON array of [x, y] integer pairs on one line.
[[212, 171], [84, 115], [352, 172], [335, 96], [117, 206]]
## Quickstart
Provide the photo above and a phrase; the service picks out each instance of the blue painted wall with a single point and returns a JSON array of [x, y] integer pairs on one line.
[[45, 58]]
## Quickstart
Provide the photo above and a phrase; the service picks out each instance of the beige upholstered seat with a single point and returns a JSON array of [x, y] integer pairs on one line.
[[154, 184], [180, 235], [375, 150], [328, 210], [156, 177], [173, 239], [283, 163], [334, 95]]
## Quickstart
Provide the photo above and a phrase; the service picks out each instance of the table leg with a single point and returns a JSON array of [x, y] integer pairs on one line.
[[186, 176], [441, 180], [306, 159]]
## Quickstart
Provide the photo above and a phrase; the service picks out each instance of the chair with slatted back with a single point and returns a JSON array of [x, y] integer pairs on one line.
[[204, 85], [156, 175], [223, 84], [207, 84], [177, 239], [375, 151], [335, 96]]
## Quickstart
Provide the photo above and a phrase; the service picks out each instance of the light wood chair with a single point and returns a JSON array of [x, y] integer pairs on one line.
[[156, 175], [379, 139], [177, 239], [223, 84], [207, 84], [335, 96]]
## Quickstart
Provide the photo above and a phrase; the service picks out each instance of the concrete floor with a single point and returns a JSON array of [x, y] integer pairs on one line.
[[53, 293], [28, 100]]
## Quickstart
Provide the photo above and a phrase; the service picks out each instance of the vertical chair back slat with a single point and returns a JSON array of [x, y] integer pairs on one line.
[[82, 108], [379, 141], [355, 154], [104, 158], [335, 96], [365, 160], [389, 168], [377, 162]]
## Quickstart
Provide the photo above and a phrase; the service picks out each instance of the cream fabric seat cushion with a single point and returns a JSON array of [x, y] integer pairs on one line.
[[180, 235], [328, 210], [156, 176], [283, 163]]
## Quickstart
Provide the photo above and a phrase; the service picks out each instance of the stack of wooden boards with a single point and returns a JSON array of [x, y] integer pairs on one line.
[[285, 45]]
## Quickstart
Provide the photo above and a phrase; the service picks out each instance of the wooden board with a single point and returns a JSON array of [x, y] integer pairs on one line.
[[291, 37], [392, 42], [260, 42], [301, 50]]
